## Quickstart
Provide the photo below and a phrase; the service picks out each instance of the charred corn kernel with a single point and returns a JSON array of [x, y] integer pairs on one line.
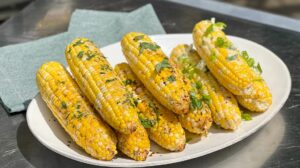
[[161, 124], [152, 67], [222, 103], [74, 113], [259, 103], [135, 145], [222, 58], [101, 85]]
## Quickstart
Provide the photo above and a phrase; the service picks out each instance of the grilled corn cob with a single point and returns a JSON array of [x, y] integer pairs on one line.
[[233, 69], [259, 103], [223, 105], [74, 113], [152, 67], [161, 124], [135, 145], [222, 59], [101, 85]]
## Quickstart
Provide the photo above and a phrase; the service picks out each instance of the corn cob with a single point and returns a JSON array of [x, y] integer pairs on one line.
[[259, 103], [74, 112], [222, 59], [233, 69], [152, 67], [161, 124], [101, 85], [223, 105], [135, 145]]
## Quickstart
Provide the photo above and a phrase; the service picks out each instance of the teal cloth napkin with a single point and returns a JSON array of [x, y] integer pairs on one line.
[[20, 62]]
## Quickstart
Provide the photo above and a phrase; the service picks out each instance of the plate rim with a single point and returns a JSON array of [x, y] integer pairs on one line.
[[51, 146]]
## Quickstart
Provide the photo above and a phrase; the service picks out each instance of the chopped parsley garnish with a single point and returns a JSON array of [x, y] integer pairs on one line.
[[105, 67], [210, 28], [258, 67], [155, 109], [250, 61], [232, 57], [78, 43], [78, 106], [213, 56], [137, 38], [80, 54], [171, 78], [150, 46], [63, 105], [127, 82], [163, 64], [110, 80], [195, 102], [219, 42], [221, 25], [206, 97], [147, 123], [80, 114], [102, 72], [198, 85], [246, 117], [90, 56]]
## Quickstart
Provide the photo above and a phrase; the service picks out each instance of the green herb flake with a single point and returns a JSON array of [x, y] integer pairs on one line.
[[198, 85], [232, 57], [78, 43], [80, 54], [128, 82], [206, 97], [171, 78], [220, 25], [63, 105], [213, 56], [246, 117], [90, 56], [195, 102], [137, 38], [209, 29], [110, 80], [105, 67], [78, 106], [79, 115], [219, 42], [147, 123], [163, 64], [150, 46], [258, 67]]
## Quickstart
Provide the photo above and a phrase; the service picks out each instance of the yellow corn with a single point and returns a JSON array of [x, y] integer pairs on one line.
[[262, 99], [233, 69], [101, 85], [135, 145], [161, 124], [152, 67], [223, 105], [221, 58], [74, 113]]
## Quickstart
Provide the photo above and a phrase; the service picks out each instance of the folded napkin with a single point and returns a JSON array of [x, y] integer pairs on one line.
[[20, 62]]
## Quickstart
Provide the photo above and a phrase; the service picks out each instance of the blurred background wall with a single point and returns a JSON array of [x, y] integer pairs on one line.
[[290, 8]]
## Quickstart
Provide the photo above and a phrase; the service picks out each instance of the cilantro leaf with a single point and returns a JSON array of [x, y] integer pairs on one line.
[[80, 54], [128, 82], [137, 38], [171, 78], [195, 102], [232, 57], [63, 105], [209, 29], [163, 64], [258, 67], [246, 117], [147, 123], [220, 25], [110, 80], [150, 46], [219, 42]]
